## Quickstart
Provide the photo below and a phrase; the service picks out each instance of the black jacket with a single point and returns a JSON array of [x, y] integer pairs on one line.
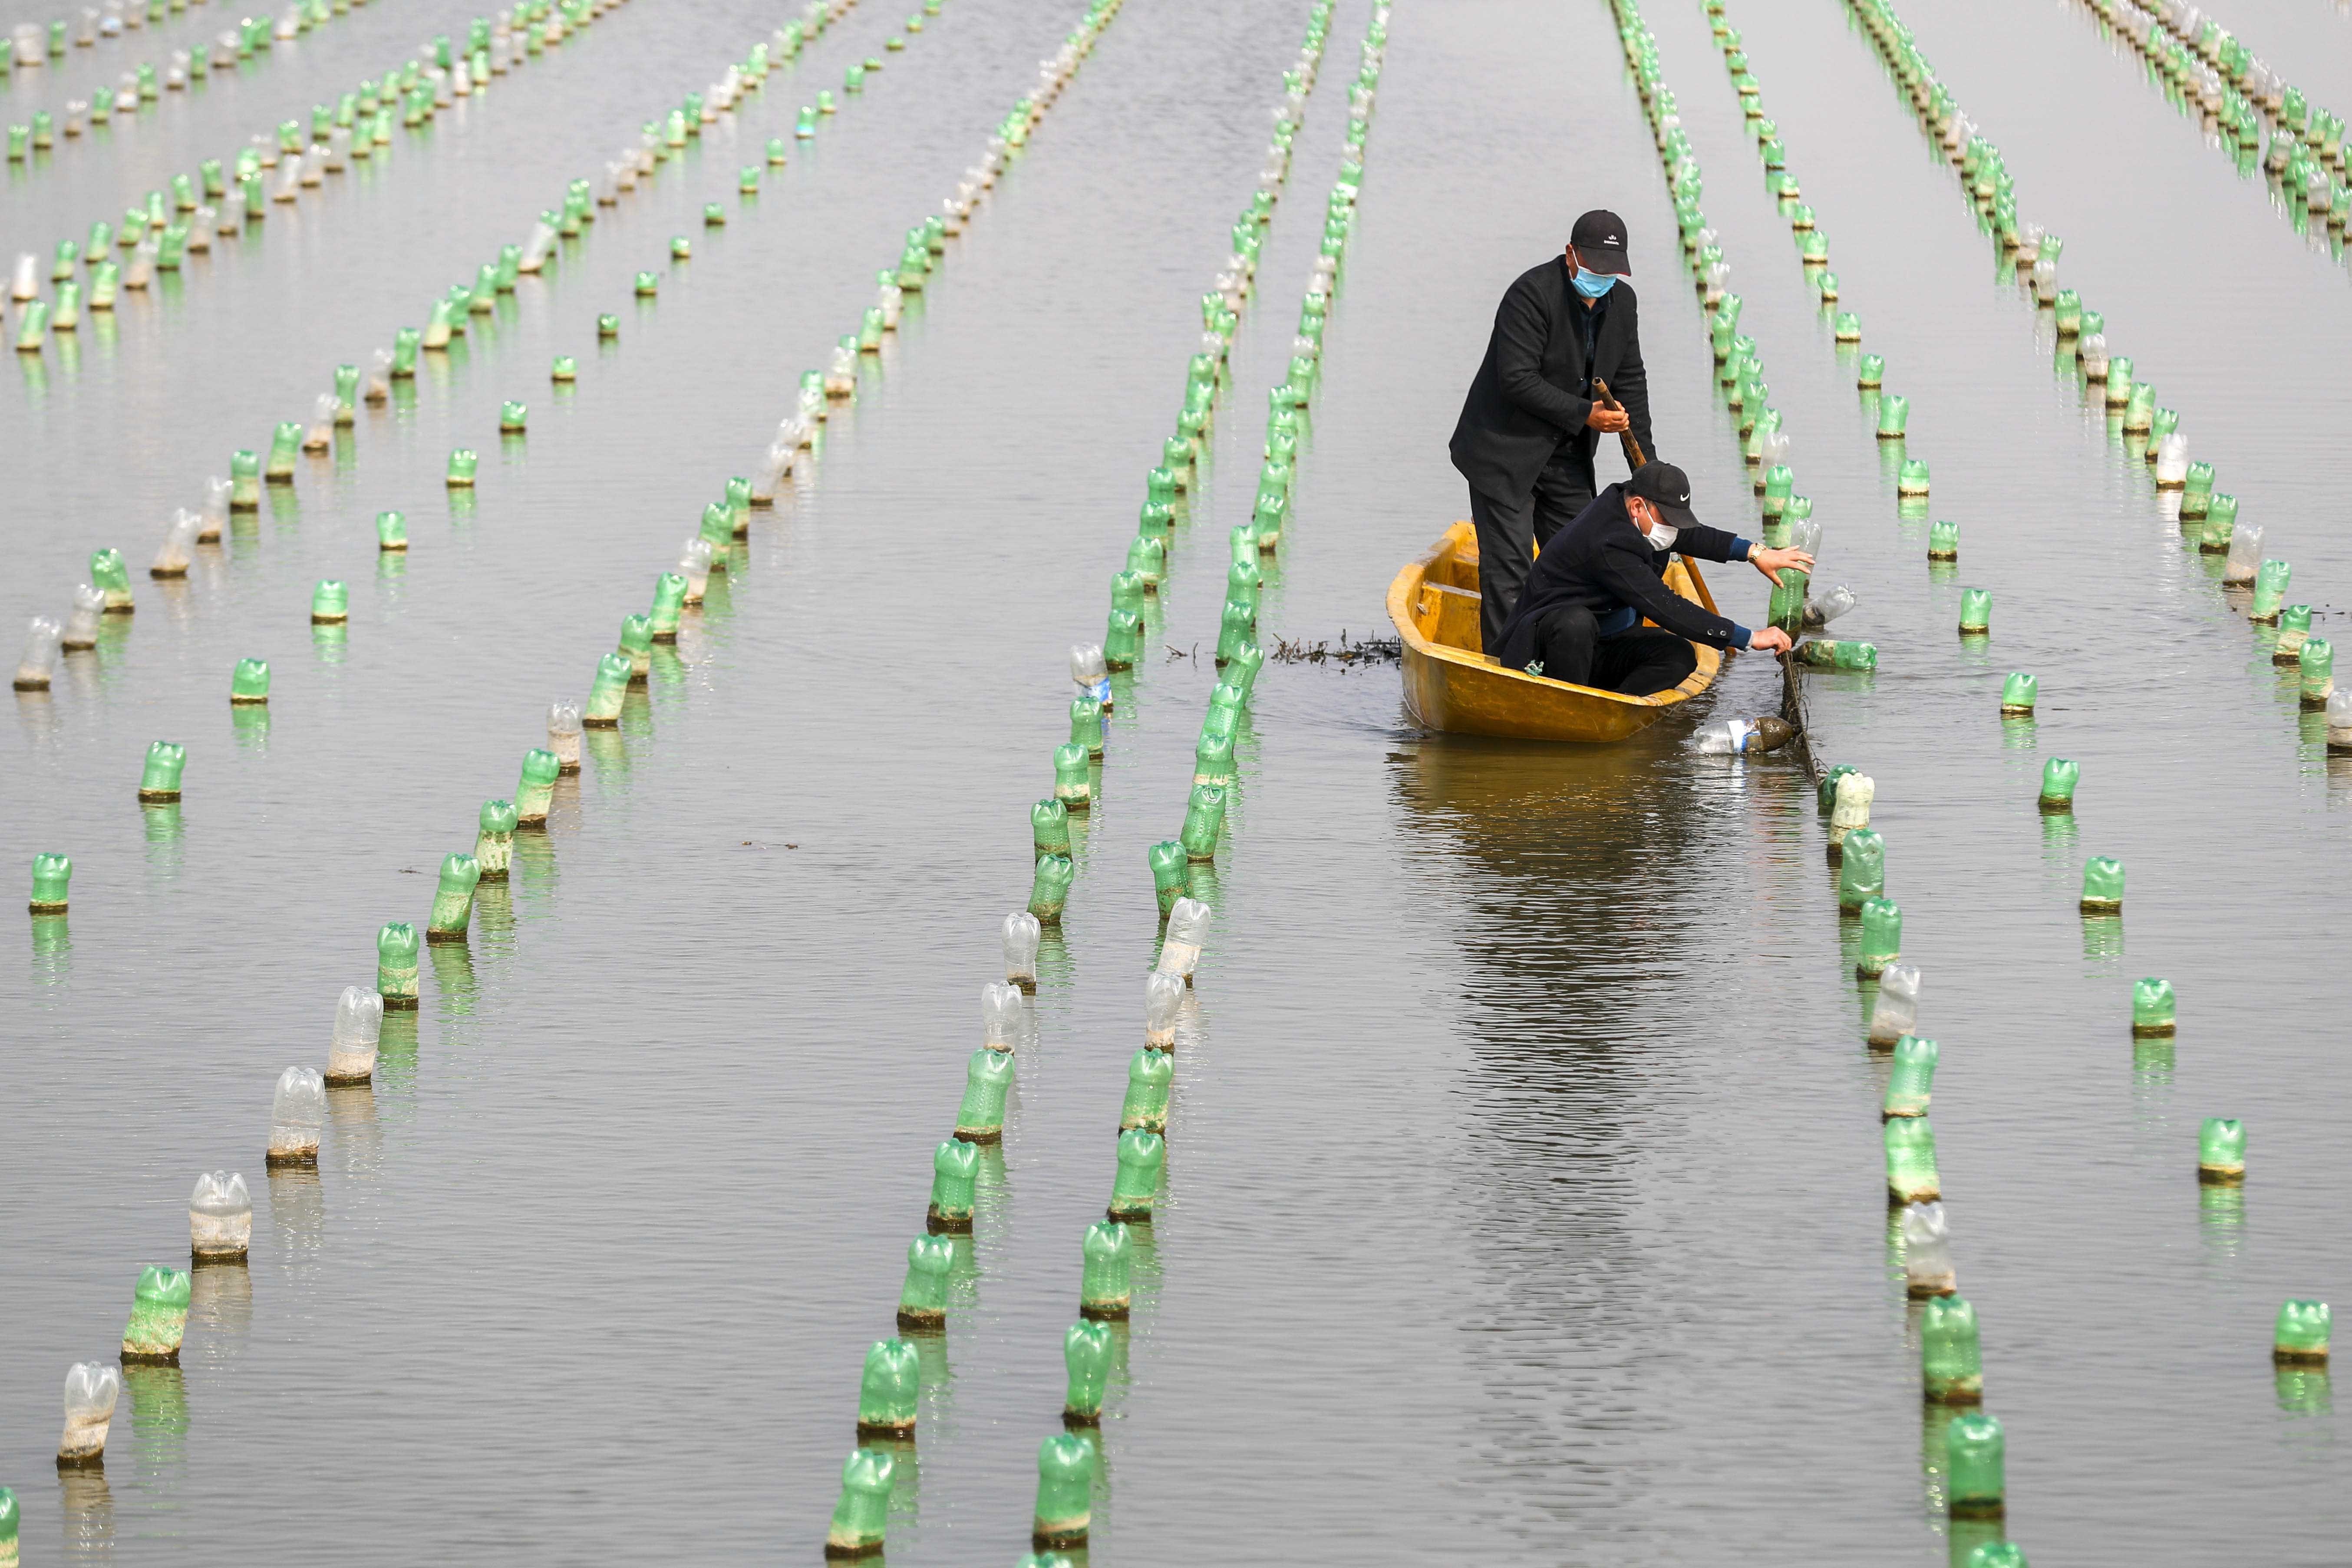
[[1603, 563], [1526, 396]]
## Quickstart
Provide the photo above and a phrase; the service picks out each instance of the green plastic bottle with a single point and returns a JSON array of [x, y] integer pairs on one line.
[[1141, 1157], [536, 792], [159, 1317], [955, 1174], [1862, 869], [462, 464], [1212, 760], [988, 1077], [1913, 480], [2018, 692], [1871, 373], [1894, 413], [2302, 1336], [863, 1514], [2103, 886], [1976, 611], [1910, 1161], [1049, 888], [1149, 1075], [1820, 653], [1204, 819], [2153, 1009], [1912, 1079], [111, 576], [330, 602], [160, 779], [669, 601], [888, 1389], [609, 691], [453, 902], [2221, 1150], [1827, 793], [1974, 1459], [1066, 1483], [1087, 1351], [52, 877], [249, 683], [923, 1298], [1049, 827], [1951, 1360], [1073, 780], [2316, 662], [395, 964], [636, 645], [494, 840], [1943, 542], [2295, 629], [1172, 873], [391, 532], [2059, 776], [2270, 579], [1882, 936], [1104, 1289], [1123, 640], [1087, 723], [285, 447]]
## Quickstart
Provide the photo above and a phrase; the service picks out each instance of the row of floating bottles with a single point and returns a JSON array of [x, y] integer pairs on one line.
[[220, 1209], [2215, 76], [32, 46], [108, 590], [2084, 353], [226, 196], [140, 89], [1067, 1461]]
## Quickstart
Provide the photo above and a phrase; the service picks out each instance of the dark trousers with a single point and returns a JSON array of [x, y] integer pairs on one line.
[[1570, 647], [1509, 534]]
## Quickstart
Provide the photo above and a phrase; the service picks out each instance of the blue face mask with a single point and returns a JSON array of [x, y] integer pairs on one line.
[[1592, 285]]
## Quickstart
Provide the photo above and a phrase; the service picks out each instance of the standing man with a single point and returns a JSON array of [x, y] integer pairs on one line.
[[1528, 427]]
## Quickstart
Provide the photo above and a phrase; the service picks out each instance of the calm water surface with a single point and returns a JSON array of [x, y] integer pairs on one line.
[[1524, 1196]]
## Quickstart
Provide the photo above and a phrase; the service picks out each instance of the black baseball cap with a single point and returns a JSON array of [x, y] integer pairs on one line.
[[1600, 240], [1665, 486]]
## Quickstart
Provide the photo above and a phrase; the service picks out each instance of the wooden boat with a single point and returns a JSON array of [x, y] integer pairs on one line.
[[1449, 685]]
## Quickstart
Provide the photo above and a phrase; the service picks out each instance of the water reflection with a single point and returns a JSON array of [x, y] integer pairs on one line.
[[52, 950], [220, 1310], [357, 1138], [992, 1195], [2222, 1219], [2301, 1391], [298, 1216], [86, 1509], [161, 822], [453, 979], [493, 922], [159, 1430], [330, 641], [249, 724], [2102, 938]]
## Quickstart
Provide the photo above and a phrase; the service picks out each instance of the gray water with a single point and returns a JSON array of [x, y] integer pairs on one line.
[[1524, 1195]]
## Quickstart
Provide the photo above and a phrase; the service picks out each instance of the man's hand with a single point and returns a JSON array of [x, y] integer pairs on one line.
[[1608, 420], [1772, 562], [1770, 639]]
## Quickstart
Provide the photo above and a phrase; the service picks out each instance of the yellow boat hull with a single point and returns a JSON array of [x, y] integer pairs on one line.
[[1450, 685]]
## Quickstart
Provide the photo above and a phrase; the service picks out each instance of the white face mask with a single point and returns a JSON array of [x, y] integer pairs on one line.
[[1662, 533]]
